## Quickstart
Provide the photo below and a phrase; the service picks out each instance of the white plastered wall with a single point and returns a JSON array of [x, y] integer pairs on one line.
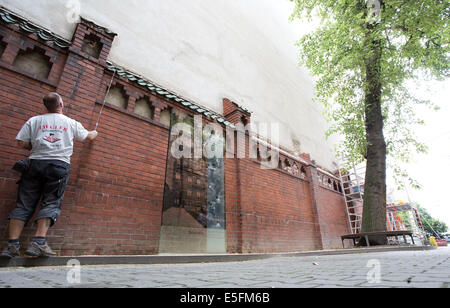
[[206, 50]]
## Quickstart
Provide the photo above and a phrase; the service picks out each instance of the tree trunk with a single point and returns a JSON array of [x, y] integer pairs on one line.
[[374, 210]]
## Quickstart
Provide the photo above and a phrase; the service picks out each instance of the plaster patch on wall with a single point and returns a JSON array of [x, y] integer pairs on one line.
[[228, 44], [117, 98], [296, 145], [144, 108], [165, 117], [34, 62]]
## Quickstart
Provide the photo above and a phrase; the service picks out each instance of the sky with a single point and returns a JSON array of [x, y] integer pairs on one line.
[[431, 170]]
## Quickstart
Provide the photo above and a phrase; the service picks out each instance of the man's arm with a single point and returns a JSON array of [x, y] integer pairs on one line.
[[92, 135], [24, 134], [24, 145]]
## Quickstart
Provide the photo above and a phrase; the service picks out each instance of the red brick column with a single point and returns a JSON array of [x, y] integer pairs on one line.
[[114, 200], [314, 186], [234, 113], [241, 221]]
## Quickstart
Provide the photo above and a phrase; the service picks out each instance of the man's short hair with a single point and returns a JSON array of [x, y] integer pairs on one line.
[[52, 101]]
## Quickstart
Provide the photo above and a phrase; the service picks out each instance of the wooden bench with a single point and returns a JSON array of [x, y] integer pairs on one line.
[[367, 236]]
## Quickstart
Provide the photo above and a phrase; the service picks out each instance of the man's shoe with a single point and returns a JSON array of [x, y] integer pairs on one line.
[[36, 250], [10, 252]]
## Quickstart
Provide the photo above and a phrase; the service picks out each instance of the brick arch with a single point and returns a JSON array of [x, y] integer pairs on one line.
[[303, 172], [329, 183]]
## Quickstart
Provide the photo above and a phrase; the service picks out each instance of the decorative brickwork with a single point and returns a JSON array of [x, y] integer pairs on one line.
[[235, 113], [114, 201]]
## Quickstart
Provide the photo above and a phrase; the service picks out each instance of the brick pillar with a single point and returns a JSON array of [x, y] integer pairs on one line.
[[82, 75], [314, 186], [241, 219], [79, 86], [243, 209], [234, 113], [11, 50], [81, 79]]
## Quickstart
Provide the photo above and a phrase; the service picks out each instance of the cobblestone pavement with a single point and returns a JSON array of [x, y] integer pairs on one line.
[[382, 269]]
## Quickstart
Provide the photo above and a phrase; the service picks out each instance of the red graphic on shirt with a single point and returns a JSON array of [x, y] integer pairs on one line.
[[51, 138], [54, 127]]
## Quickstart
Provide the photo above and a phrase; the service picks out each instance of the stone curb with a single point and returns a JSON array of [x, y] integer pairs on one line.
[[186, 259]]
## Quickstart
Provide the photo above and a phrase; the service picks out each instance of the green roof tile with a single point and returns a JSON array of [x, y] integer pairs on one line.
[[25, 25], [145, 83]]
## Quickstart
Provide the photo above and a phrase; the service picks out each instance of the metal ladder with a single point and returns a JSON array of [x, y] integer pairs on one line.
[[419, 226], [351, 183], [413, 220], [392, 224]]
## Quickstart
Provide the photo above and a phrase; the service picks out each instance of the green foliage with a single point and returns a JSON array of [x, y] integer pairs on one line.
[[414, 36], [430, 223]]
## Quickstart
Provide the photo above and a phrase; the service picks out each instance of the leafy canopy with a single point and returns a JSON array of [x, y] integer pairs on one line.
[[431, 224], [414, 36]]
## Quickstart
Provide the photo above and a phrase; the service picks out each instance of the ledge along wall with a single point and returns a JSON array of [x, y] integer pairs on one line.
[[113, 203]]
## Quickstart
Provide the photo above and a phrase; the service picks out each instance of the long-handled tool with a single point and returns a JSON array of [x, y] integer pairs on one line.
[[104, 101]]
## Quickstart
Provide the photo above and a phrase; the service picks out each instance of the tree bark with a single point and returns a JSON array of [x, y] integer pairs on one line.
[[374, 209]]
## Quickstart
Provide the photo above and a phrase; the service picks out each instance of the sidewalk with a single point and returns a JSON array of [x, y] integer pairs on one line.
[[403, 268], [189, 259]]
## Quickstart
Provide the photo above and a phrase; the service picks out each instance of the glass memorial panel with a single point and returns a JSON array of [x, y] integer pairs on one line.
[[193, 216]]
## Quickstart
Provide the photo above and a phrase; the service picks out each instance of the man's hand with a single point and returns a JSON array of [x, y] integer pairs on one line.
[[92, 135], [24, 145]]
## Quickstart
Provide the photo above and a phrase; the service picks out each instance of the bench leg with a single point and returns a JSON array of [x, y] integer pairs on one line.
[[412, 239], [367, 241], [404, 238]]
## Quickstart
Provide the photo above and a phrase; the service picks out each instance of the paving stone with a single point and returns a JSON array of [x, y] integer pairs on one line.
[[427, 269]]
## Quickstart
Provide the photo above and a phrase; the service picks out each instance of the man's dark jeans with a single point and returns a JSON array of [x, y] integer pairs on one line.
[[47, 179]]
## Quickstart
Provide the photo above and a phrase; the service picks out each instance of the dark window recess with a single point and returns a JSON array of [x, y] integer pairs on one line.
[[2, 46], [34, 61], [303, 172], [92, 46], [244, 120]]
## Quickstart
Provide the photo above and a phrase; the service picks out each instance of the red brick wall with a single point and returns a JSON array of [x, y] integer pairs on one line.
[[268, 210], [114, 198], [234, 113], [18, 98], [233, 206], [332, 218], [114, 205], [278, 211]]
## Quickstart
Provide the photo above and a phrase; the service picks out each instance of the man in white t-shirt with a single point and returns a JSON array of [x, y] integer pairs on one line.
[[50, 139]]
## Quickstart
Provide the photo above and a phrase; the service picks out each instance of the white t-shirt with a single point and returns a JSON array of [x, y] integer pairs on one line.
[[51, 136]]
